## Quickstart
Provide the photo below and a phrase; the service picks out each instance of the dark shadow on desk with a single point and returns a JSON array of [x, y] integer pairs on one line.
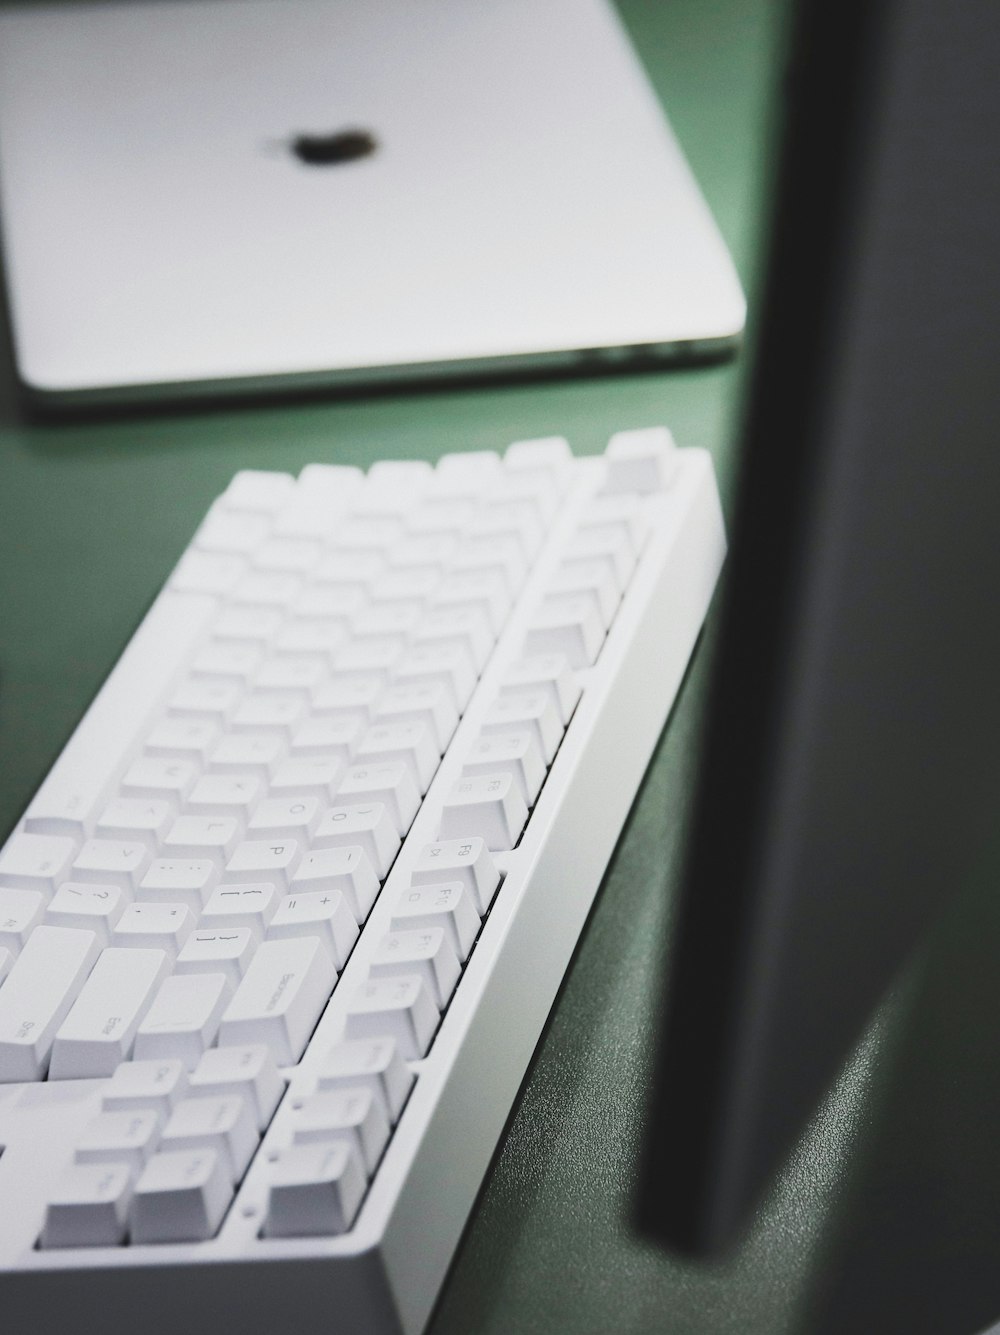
[[917, 1247]]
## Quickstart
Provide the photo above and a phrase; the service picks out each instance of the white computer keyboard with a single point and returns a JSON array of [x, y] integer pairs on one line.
[[280, 930]]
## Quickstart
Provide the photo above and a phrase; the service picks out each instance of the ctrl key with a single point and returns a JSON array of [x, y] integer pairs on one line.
[[88, 1206], [315, 1191], [182, 1196]]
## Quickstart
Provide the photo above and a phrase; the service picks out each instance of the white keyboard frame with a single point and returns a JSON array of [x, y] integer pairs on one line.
[[385, 1274]]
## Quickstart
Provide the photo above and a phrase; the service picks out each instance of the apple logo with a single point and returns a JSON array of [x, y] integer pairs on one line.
[[330, 150]]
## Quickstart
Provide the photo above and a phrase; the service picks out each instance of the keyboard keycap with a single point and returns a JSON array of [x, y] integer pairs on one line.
[[256, 492], [166, 780], [91, 908], [488, 806], [156, 1085], [154, 927], [178, 880], [482, 591], [183, 1019], [308, 776], [549, 457], [375, 1064], [120, 862], [213, 837], [400, 1008], [320, 913], [250, 906], [285, 818], [88, 1206], [640, 461], [99, 1030], [20, 912], [248, 1071], [516, 753], [427, 952], [231, 532], [248, 753], [261, 860], [128, 1137], [422, 702], [411, 742], [218, 950], [281, 997], [624, 513], [333, 738], [205, 699], [315, 1190], [223, 1123], [37, 996], [368, 825], [207, 572], [612, 552], [450, 664], [591, 582], [465, 860], [183, 739], [181, 1196], [448, 905], [232, 795], [531, 710], [466, 628], [350, 1116], [568, 624], [390, 784], [346, 869], [36, 861], [550, 673]]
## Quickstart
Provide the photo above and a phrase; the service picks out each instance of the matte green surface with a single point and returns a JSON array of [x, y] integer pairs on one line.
[[92, 516]]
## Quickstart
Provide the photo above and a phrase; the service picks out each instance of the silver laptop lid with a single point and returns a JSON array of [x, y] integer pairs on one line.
[[525, 199]]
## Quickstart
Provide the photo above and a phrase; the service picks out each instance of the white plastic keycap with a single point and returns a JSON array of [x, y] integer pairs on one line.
[[465, 860], [400, 1008], [249, 1071], [351, 1116], [122, 1136], [323, 914], [448, 905], [315, 1190], [181, 1196], [38, 994], [376, 1064], [88, 1206], [100, 1028], [280, 999], [427, 952], [488, 806], [156, 1085], [184, 1018], [347, 869], [221, 1122], [640, 461]]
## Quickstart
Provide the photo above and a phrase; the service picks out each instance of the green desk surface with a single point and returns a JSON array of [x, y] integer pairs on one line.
[[94, 513]]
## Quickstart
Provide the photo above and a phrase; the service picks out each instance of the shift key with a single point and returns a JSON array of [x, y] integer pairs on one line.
[[38, 992], [281, 997]]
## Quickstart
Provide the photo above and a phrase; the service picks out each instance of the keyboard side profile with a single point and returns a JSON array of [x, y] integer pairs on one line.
[[333, 944]]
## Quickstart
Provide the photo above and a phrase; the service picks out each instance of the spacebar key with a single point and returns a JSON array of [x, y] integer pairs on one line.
[[281, 997]]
